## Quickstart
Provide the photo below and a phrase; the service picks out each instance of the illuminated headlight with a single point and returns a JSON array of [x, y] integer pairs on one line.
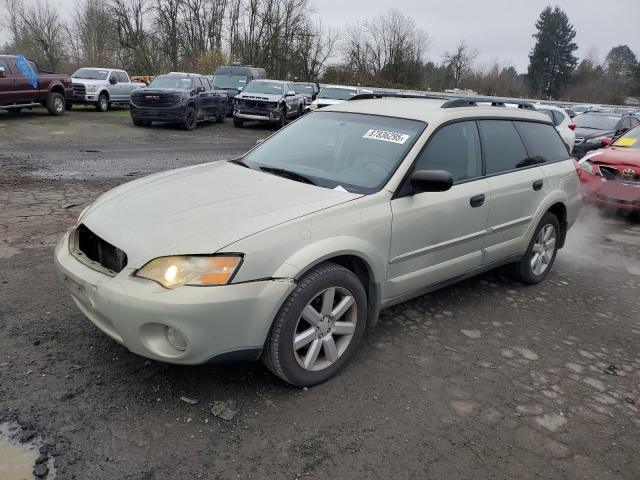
[[195, 270], [92, 88], [588, 167]]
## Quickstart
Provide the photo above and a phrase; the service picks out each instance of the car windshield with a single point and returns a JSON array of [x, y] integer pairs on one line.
[[267, 88], [596, 122], [229, 82], [172, 81], [631, 139], [337, 93], [302, 88], [349, 151], [91, 74]]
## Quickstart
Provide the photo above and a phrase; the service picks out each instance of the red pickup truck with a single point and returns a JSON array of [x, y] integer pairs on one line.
[[23, 86]]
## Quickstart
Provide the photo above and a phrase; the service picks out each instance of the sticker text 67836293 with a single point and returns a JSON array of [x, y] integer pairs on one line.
[[386, 136]]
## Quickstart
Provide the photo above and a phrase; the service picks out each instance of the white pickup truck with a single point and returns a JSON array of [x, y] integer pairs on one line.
[[102, 87]]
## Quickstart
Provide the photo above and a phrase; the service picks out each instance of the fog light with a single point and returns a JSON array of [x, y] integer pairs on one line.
[[176, 339]]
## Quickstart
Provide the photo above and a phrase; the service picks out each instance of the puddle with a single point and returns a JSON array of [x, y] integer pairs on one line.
[[17, 459]]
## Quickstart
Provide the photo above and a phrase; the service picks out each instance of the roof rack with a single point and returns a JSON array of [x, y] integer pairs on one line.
[[495, 102], [369, 96]]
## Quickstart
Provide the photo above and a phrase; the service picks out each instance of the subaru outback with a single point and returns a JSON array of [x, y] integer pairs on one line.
[[290, 252]]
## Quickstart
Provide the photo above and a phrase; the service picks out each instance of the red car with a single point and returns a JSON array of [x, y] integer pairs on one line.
[[611, 175]]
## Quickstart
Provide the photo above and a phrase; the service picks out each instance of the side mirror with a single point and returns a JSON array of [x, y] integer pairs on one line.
[[200, 89], [431, 181], [291, 93], [113, 80], [3, 73], [606, 141]]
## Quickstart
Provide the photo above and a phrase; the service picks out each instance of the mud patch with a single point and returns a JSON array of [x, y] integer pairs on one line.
[[19, 460]]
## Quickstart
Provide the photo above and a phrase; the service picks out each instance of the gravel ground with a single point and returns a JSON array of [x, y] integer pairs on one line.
[[486, 379]]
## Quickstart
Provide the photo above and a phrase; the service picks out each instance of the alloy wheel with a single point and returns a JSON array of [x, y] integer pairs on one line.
[[58, 104], [325, 328], [543, 249]]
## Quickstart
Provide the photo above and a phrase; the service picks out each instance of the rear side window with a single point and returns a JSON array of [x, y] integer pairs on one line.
[[454, 149], [503, 147], [122, 77], [542, 142], [558, 118]]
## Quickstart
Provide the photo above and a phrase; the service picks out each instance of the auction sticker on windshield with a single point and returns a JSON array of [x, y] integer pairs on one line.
[[386, 136], [625, 142]]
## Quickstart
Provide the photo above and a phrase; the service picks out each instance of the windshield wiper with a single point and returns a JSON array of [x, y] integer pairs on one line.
[[288, 174]]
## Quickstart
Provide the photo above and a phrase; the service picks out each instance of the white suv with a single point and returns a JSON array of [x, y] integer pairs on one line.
[[291, 251], [562, 122]]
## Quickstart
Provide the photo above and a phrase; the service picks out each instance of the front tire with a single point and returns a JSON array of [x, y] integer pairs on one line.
[[103, 103], [539, 257], [318, 327], [191, 119], [55, 104]]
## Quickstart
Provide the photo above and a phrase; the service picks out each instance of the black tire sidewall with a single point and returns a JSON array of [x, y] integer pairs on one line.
[[525, 271], [99, 103], [54, 98], [294, 373], [186, 124]]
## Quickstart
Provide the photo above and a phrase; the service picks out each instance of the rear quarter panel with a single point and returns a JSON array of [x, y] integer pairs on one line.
[[562, 185]]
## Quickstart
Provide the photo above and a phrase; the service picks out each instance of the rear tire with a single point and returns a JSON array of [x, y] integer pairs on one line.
[[536, 263], [55, 104], [238, 123], [103, 103], [318, 327]]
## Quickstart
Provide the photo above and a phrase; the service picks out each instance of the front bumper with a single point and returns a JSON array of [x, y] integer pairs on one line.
[[215, 321], [599, 191], [260, 115], [173, 114]]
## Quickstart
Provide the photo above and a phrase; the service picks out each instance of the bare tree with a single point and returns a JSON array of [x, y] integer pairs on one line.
[[91, 33], [460, 61]]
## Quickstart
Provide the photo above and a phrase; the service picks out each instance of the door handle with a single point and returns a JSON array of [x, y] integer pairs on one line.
[[537, 185], [477, 201]]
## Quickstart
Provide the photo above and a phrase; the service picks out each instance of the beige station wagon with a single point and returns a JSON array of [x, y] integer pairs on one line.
[[289, 253]]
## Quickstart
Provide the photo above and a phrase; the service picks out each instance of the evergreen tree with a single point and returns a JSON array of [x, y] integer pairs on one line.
[[551, 61], [621, 62]]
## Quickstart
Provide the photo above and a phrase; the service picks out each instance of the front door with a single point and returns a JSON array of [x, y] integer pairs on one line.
[[437, 236]]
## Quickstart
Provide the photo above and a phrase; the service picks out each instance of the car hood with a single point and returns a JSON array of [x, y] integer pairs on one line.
[[620, 156], [201, 209], [265, 97], [592, 133], [86, 81], [153, 91]]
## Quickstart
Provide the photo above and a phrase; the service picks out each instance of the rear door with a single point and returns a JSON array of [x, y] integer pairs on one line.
[[517, 188], [124, 85], [439, 235], [23, 90]]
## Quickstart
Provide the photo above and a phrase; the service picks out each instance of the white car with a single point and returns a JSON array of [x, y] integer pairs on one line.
[[334, 94], [562, 122], [290, 252]]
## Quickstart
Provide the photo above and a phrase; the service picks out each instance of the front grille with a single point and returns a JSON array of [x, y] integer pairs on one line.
[[94, 248], [256, 104], [79, 89], [155, 100], [613, 174]]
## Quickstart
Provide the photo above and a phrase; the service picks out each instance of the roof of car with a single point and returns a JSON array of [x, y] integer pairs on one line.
[[430, 110], [269, 80]]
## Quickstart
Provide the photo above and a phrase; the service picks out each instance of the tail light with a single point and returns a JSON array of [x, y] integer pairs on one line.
[[572, 126]]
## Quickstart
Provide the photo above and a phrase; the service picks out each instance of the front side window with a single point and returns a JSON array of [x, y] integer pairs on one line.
[[542, 142], [265, 88], [454, 149], [351, 151], [122, 77], [503, 147]]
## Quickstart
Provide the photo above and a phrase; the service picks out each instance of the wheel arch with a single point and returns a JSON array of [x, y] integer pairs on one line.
[[559, 209], [56, 88]]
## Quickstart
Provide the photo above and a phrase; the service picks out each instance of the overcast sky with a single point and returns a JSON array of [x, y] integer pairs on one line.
[[500, 29]]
